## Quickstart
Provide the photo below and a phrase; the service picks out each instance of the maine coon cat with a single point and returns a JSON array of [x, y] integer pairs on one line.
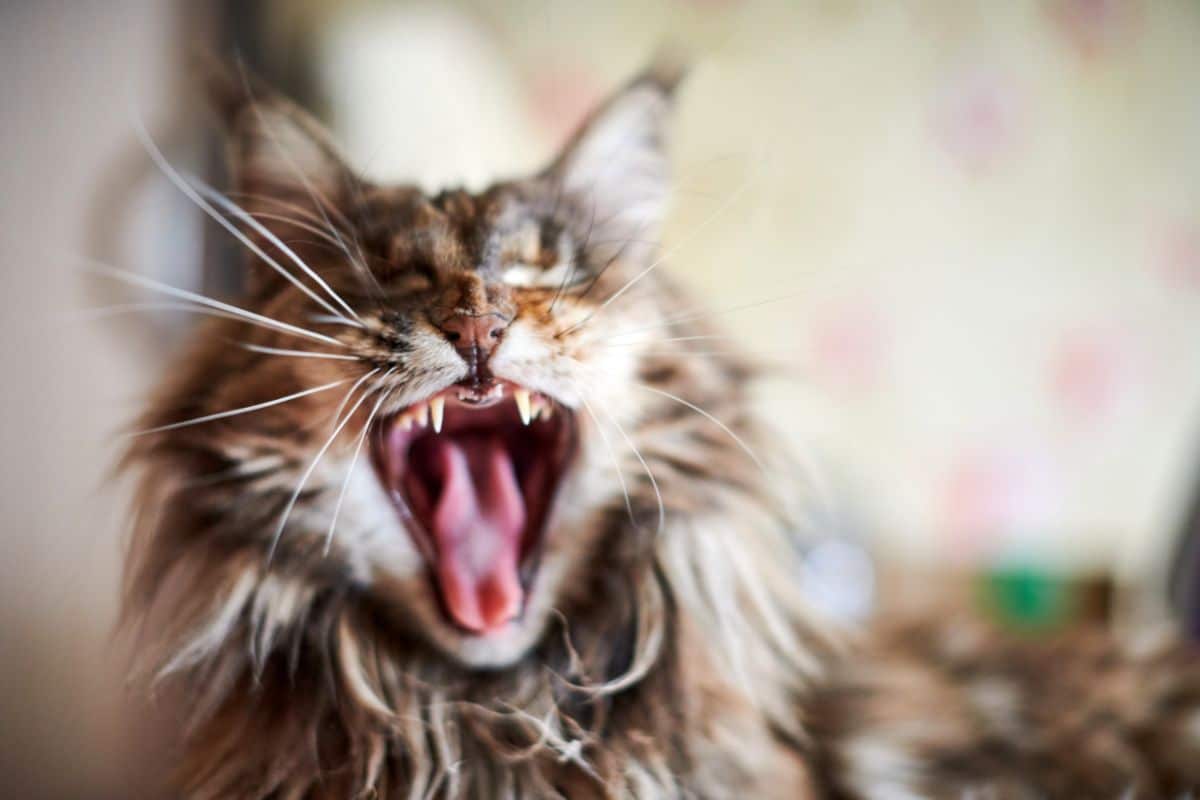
[[436, 509]]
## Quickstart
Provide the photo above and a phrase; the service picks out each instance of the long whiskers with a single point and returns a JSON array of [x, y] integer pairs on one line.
[[301, 213], [637, 454], [701, 313], [280, 351], [337, 414], [192, 194], [295, 496], [319, 201], [611, 453], [242, 314], [103, 312], [362, 438], [725, 206], [740, 442], [238, 212], [664, 341], [662, 512], [243, 410], [320, 233]]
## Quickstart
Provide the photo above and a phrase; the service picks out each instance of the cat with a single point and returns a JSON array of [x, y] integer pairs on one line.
[[439, 510]]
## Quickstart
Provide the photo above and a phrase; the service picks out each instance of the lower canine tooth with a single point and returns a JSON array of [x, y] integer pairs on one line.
[[522, 398], [437, 407]]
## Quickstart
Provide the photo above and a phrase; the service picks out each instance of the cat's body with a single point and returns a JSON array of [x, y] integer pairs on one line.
[[506, 540]]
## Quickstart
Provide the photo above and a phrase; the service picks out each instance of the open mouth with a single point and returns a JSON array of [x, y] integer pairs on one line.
[[473, 472]]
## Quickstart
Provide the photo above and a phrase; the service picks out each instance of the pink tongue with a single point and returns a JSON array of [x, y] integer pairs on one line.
[[477, 525]]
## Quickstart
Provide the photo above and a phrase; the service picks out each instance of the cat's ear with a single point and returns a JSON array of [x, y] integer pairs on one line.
[[279, 155], [616, 166]]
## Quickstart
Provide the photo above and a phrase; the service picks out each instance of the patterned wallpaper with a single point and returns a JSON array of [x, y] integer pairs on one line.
[[966, 233]]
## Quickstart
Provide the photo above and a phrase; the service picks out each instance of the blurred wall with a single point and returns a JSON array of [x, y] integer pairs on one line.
[[66, 69], [976, 226], [983, 220]]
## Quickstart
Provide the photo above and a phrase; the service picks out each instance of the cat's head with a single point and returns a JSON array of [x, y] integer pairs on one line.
[[478, 412]]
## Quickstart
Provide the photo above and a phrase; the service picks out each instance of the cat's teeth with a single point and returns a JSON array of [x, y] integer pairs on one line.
[[522, 398], [405, 422], [437, 407], [541, 408], [421, 414]]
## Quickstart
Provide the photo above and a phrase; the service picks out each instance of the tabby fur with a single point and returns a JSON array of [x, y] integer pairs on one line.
[[666, 652]]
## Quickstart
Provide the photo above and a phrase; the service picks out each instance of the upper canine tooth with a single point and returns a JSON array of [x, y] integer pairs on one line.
[[421, 414], [437, 407], [522, 398]]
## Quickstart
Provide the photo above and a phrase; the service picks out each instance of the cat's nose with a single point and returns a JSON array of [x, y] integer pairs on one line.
[[475, 336]]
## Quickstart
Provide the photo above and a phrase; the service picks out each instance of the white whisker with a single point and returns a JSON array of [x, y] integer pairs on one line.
[[662, 341], [337, 414], [362, 438], [662, 512], [279, 351], [241, 313], [725, 206], [611, 453], [296, 223], [742, 444], [190, 192], [243, 410], [237, 211], [103, 312], [700, 313], [303, 212], [318, 200], [690, 353], [319, 318], [291, 503]]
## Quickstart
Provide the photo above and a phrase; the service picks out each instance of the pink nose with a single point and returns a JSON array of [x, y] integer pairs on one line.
[[478, 334], [475, 337]]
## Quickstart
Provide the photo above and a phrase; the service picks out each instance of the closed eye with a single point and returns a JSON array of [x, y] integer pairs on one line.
[[535, 276]]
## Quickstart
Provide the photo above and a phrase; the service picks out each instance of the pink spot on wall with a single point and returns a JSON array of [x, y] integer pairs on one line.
[[997, 499], [1093, 375], [560, 98], [979, 119], [1095, 27], [850, 345], [1179, 256]]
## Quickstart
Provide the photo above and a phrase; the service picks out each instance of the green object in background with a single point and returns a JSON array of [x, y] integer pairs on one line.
[[1026, 598]]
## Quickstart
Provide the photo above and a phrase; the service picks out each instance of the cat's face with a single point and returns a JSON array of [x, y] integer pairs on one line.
[[485, 358], [487, 449]]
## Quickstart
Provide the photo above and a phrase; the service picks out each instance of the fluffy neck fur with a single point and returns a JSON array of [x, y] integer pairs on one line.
[[677, 653], [679, 673]]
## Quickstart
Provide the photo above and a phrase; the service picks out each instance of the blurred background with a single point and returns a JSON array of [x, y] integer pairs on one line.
[[966, 235]]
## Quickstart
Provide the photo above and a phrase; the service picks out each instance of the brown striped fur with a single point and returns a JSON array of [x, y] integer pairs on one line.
[[654, 661]]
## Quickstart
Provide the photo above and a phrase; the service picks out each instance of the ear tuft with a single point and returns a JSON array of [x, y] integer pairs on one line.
[[277, 151], [667, 70]]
